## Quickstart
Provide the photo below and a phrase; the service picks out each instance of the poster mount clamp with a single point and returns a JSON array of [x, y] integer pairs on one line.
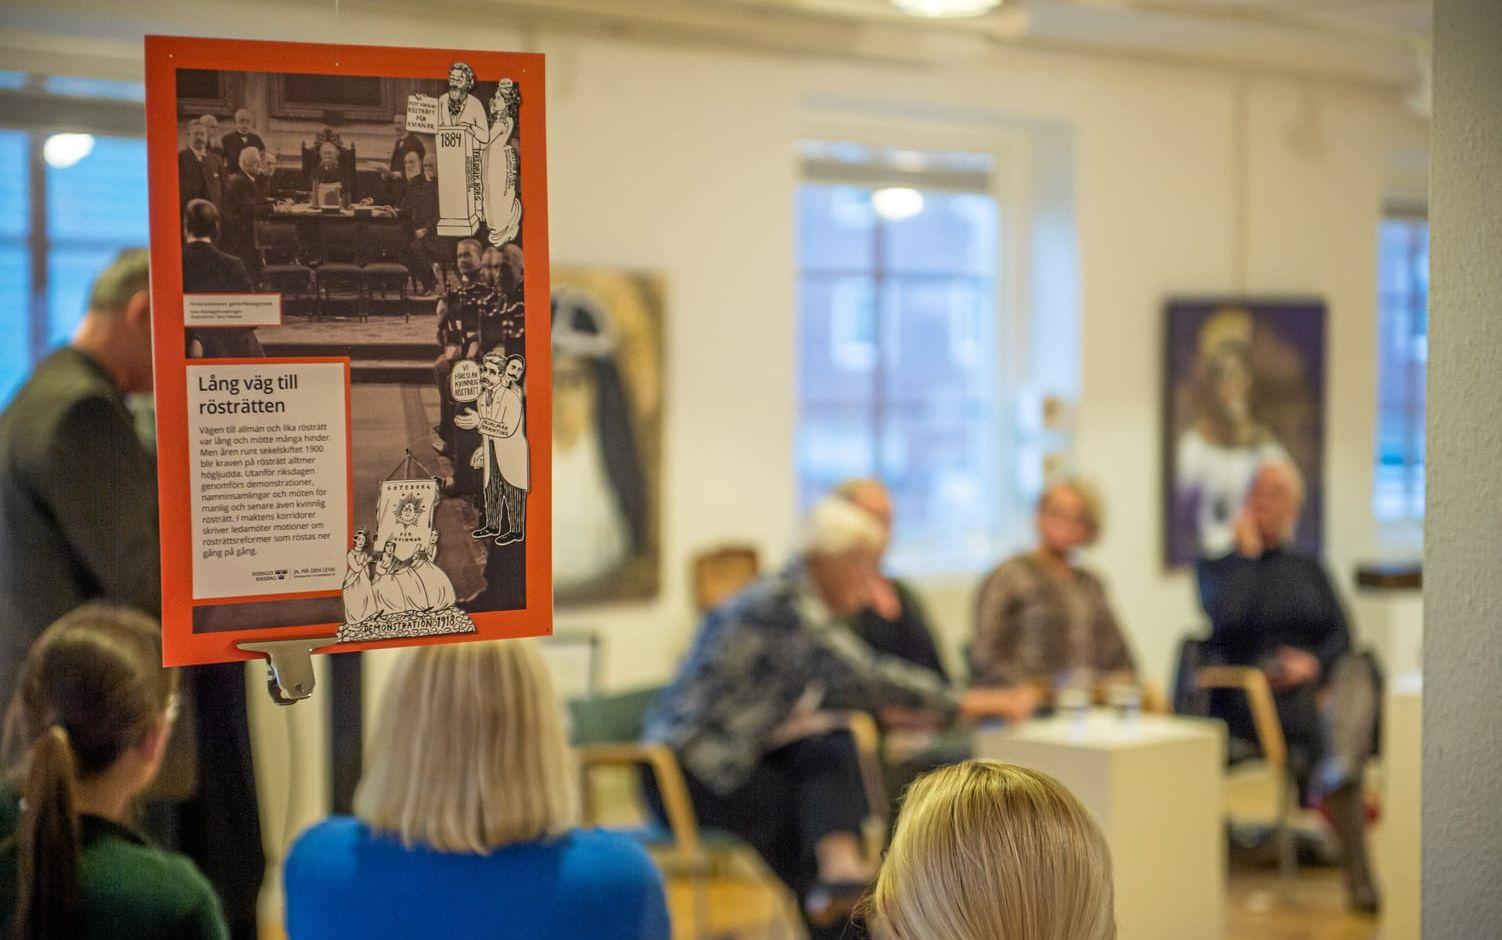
[[289, 666]]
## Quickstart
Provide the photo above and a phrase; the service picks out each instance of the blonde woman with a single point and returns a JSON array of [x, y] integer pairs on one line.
[[990, 851], [1041, 618], [466, 820]]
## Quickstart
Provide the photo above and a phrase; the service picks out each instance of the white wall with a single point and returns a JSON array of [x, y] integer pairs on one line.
[[1462, 773], [1186, 179]]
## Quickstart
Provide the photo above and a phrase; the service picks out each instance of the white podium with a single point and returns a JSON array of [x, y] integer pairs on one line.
[[1155, 788], [460, 180], [1400, 861]]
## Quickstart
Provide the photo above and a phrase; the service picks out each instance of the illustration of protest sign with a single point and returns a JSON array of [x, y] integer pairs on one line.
[[281, 518], [465, 382]]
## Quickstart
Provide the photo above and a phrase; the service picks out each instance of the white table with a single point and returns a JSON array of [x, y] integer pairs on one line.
[[1155, 788], [1402, 759]]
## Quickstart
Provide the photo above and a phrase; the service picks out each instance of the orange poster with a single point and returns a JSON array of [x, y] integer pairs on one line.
[[349, 252]]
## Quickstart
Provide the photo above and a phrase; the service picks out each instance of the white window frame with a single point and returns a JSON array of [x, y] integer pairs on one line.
[[1010, 152]]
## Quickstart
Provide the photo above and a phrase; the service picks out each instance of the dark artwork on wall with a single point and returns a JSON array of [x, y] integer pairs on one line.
[[1244, 384], [607, 433]]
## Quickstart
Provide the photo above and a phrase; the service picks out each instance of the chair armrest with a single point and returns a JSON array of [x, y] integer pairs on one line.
[[659, 759], [1259, 696]]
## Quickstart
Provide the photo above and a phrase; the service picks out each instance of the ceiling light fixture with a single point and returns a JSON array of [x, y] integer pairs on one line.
[[946, 7], [64, 150], [896, 203]]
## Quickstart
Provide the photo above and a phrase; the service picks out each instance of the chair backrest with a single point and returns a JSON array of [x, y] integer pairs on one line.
[[717, 574], [277, 241], [385, 241], [342, 241], [618, 718]]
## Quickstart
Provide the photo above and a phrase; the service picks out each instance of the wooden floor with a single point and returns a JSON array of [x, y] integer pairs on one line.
[[737, 907]]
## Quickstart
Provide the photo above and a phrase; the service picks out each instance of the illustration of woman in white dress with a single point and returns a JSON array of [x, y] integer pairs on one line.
[[437, 587], [502, 206], [389, 596], [359, 597]]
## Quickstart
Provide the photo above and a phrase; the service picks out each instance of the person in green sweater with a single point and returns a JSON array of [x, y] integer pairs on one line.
[[84, 736]]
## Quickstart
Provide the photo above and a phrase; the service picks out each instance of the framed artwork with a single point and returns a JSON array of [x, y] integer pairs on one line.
[[1244, 383], [607, 434]]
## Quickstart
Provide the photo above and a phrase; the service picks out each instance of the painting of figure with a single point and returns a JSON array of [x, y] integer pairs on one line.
[[607, 430], [1245, 384]]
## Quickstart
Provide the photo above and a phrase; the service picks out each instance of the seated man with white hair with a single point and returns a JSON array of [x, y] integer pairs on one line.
[[742, 714], [1274, 608]]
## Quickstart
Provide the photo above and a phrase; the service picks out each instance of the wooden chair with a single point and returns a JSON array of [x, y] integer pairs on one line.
[[607, 734], [1266, 780], [385, 273], [283, 269], [718, 573]]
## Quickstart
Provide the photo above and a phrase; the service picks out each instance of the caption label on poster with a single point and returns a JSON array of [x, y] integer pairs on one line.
[[269, 448], [422, 114], [232, 309]]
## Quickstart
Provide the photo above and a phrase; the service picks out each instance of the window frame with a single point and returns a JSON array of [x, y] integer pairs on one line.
[[1404, 533], [1007, 187], [38, 113]]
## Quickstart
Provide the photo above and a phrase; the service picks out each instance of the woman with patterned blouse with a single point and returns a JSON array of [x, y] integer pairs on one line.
[[1040, 618]]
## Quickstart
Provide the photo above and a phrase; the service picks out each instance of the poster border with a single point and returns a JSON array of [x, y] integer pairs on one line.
[[164, 55]]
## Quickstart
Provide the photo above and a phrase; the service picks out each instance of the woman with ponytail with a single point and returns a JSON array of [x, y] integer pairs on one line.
[[84, 736]]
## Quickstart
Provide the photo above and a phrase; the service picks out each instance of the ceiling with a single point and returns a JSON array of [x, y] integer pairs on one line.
[[1370, 41]]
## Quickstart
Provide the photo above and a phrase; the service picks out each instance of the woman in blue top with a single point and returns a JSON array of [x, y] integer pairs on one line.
[[465, 820]]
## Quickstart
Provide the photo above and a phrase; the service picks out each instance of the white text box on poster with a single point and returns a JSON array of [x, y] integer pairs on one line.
[[268, 446], [422, 114], [232, 309]]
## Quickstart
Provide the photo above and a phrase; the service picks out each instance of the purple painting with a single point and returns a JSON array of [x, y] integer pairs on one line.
[[1245, 384]]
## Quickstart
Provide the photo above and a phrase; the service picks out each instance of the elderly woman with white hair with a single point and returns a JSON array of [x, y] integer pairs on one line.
[[1274, 608], [741, 714]]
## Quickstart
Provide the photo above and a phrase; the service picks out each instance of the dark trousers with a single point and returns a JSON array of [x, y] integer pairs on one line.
[[795, 796], [219, 826]]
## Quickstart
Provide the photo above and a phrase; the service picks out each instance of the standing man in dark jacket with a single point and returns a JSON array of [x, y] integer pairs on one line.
[[78, 522], [199, 170], [242, 136], [78, 508]]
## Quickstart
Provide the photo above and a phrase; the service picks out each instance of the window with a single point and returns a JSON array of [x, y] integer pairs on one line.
[[898, 343], [1403, 356], [67, 207]]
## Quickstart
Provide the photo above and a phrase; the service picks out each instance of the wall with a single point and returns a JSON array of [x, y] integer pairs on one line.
[[1462, 744], [1184, 179]]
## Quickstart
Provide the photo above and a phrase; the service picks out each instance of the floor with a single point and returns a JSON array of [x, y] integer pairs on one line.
[[737, 907]]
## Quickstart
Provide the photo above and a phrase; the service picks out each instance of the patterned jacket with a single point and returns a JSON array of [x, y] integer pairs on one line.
[[755, 657], [1030, 626]]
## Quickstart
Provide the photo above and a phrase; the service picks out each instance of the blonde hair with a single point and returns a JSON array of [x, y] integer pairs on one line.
[[1090, 503], [470, 753], [991, 851]]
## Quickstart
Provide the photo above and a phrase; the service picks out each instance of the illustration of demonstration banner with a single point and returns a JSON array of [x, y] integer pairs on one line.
[[349, 256]]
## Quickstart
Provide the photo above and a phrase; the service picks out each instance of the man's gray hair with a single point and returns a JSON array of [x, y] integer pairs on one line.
[[245, 153], [1290, 470], [127, 276], [836, 526]]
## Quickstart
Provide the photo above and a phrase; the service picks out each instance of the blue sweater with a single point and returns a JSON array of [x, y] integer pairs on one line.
[[342, 880]]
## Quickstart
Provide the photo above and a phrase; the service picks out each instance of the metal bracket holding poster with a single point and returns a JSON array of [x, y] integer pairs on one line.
[[289, 666]]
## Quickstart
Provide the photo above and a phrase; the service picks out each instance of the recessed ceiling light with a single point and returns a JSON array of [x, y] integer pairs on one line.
[[946, 7]]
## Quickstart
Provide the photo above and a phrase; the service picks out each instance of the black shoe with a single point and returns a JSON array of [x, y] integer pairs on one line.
[[482, 533], [509, 537]]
